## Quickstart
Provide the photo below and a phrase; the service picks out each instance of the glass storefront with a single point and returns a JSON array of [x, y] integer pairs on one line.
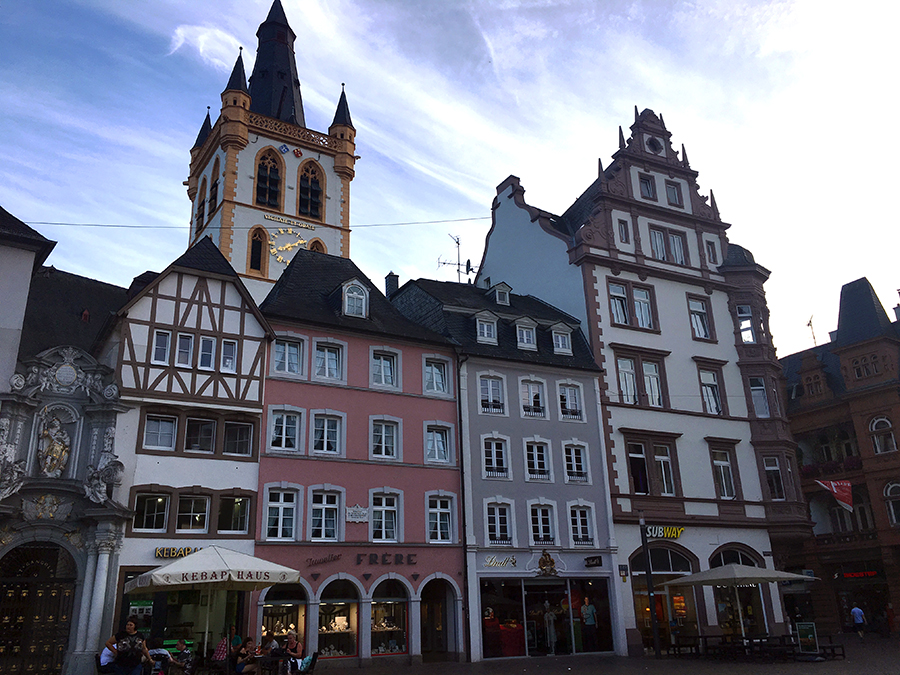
[[389, 618], [675, 606], [285, 610], [544, 616], [338, 620]]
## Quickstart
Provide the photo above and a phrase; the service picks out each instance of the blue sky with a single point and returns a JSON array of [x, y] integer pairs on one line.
[[777, 103]]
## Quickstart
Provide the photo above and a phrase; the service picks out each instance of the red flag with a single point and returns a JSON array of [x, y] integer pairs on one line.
[[842, 491]]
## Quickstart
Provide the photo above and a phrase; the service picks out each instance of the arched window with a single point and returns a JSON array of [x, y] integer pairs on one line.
[[882, 435], [354, 301], [662, 560], [892, 498], [339, 619], [731, 556], [214, 187], [317, 246], [268, 180], [310, 191], [201, 208], [284, 609], [258, 243], [389, 618]]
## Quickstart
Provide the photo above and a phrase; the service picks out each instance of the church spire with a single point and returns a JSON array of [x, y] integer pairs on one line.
[[238, 80], [204, 131], [342, 114], [274, 85]]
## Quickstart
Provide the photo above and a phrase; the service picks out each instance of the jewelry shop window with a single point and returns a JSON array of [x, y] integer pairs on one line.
[[284, 609], [338, 620], [389, 618]]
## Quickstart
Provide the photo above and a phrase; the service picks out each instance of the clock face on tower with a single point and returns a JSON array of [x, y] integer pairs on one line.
[[282, 241]]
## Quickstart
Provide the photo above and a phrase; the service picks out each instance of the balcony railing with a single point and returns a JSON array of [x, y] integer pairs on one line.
[[583, 541], [538, 474], [496, 472], [576, 476], [571, 414], [491, 407], [544, 541], [500, 540], [533, 410]]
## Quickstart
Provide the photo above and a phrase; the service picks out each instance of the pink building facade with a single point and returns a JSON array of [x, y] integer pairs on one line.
[[359, 482]]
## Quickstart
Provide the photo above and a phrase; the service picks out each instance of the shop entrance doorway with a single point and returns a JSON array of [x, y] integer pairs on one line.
[[437, 597], [37, 593]]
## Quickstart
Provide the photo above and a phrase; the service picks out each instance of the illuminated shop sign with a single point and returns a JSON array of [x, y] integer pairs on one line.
[[494, 561], [174, 551], [664, 531], [859, 575]]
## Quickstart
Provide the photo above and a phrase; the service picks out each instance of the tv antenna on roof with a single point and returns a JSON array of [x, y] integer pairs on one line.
[[812, 330], [458, 264]]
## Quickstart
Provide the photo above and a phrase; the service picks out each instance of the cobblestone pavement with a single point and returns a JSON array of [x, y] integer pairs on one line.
[[872, 656]]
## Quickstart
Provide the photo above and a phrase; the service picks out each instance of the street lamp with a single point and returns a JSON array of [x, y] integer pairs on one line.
[[654, 622]]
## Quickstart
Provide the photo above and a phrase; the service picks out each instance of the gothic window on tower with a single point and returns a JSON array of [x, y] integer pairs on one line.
[[317, 246], [201, 208], [257, 260], [310, 191], [214, 188], [268, 180]]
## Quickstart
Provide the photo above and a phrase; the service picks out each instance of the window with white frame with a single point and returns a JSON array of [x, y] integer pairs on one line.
[[288, 357], [159, 432], [709, 391], [229, 356], [526, 337], [648, 186], [355, 301], [537, 461], [882, 435], [440, 518], [581, 526], [384, 439], [238, 439], [193, 514], [207, 359], [640, 380], [773, 478], [436, 376], [699, 313], [673, 194], [711, 254], [576, 463], [329, 361], [151, 513], [542, 525], [662, 456], [384, 517], [745, 323], [384, 369], [327, 434], [234, 515], [668, 246], [723, 476], [892, 499], [495, 459], [161, 342], [487, 331], [184, 353], [437, 444], [491, 395], [631, 305], [532, 399], [570, 401], [285, 430], [624, 232], [281, 514], [324, 514], [502, 296], [498, 524], [562, 342], [200, 435], [758, 397]]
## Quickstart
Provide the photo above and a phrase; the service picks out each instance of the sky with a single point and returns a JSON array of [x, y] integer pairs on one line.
[[777, 103]]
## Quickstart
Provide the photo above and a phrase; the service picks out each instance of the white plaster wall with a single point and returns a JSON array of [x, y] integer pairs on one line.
[[180, 471], [516, 247], [15, 281]]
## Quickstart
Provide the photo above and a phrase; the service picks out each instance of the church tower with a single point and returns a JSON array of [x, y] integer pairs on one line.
[[261, 183]]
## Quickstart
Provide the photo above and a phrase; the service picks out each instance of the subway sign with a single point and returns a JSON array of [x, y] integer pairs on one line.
[[664, 531]]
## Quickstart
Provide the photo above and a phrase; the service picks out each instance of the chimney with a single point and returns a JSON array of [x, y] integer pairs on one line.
[[897, 312], [391, 284]]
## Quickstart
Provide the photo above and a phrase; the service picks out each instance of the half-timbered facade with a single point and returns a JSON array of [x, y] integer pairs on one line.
[[190, 353]]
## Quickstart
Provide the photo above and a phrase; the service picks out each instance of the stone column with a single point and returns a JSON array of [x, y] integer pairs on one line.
[[312, 627], [414, 631], [105, 549], [87, 590], [364, 637]]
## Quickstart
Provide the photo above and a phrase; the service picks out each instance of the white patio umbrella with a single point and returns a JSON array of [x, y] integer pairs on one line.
[[735, 575], [213, 568]]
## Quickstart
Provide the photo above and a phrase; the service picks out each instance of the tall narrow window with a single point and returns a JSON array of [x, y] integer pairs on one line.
[[161, 341], [628, 390], [712, 256], [882, 435], [709, 388], [673, 194], [207, 352], [773, 478], [310, 192], [699, 319], [233, 515], [280, 515], [637, 465], [354, 301], [436, 376], [439, 519], [643, 313], [229, 356], [648, 186], [533, 399], [745, 322], [542, 525], [663, 459], [676, 248], [576, 468], [580, 520], [652, 384], [491, 395], [287, 357], [284, 430], [618, 302], [384, 518], [537, 460], [184, 355], [328, 361], [201, 208], [498, 524], [495, 465], [758, 396], [326, 434], [624, 232], [257, 244], [437, 444], [384, 439], [213, 195], [268, 181], [722, 475], [658, 244], [324, 526], [569, 402]]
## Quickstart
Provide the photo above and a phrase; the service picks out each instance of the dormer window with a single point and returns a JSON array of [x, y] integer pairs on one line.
[[500, 292], [502, 297], [526, 334], [487, 331], [562, 342], [355, 300]]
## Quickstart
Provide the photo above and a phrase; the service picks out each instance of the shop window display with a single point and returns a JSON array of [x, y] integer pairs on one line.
[[284, 609], [503, 626], [389, 618], [674, 605], [338, 620]]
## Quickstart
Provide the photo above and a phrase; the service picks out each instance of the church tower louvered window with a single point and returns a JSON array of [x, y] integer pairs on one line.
[[268, 181], [310, 192]]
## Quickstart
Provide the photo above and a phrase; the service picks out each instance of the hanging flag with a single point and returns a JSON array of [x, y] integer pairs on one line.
[[842, 491]]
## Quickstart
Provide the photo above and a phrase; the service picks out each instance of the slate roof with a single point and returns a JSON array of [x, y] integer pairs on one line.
[[274, 85], [55, 313], [205, 256], [204, 132], [831, 364], [310, 290], [342, 114], [238, 79], [861, 316], [737, 256], [14, 230], [461, 326]]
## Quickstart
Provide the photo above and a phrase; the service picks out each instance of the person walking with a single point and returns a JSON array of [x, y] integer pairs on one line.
[[859, 620], [129, 647]]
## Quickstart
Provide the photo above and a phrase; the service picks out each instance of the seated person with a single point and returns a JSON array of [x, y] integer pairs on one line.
[[183, 661], [159, 656], [107, 656], [294, 650], [228, 645], [245, 658], [268, 644]]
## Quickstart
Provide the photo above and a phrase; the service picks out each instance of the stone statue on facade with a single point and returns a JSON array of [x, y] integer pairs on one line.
[[546, 565], [53, 453], [12, 472], [99, 481]]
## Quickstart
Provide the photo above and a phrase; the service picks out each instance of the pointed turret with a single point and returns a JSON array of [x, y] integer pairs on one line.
[[204, 132], [238, 80], [342, 114], [713, 206], [274, 85], [684, 159], [621, 139], [637, 116]]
